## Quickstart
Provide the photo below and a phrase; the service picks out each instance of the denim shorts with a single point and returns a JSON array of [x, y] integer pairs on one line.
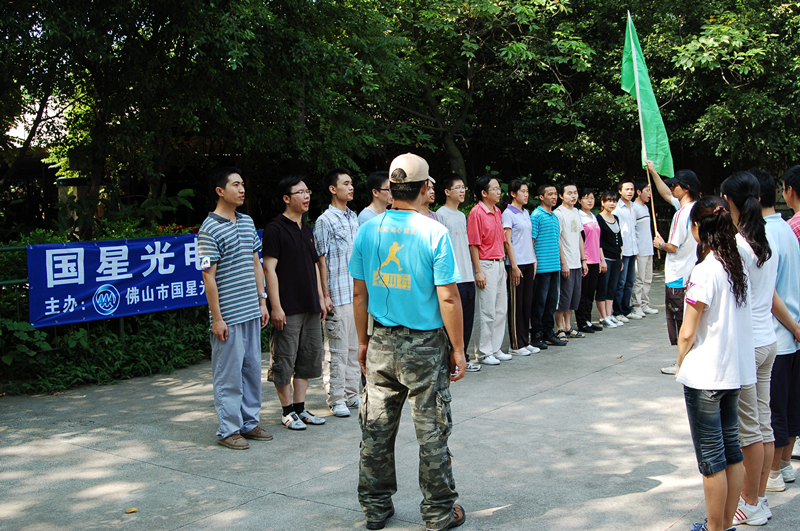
[[714, 422]]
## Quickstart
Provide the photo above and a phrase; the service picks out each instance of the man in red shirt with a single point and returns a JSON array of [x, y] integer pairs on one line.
[[486, 239]]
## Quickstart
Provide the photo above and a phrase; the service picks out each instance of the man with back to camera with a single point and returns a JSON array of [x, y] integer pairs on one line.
[[681, 192], [378, 183], [644, 260], [334, 234], [545, 232], [297, 302], [405, 278], [455, 191], [227, 247], [627, 222]]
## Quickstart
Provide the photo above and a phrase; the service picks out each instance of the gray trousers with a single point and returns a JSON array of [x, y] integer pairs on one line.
[[236, 371]]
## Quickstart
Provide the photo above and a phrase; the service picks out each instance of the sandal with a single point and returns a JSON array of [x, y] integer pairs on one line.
[[459, 517], [562, 335], [574, 333]]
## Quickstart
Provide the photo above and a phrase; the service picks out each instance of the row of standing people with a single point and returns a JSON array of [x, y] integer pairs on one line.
[[733, 312]]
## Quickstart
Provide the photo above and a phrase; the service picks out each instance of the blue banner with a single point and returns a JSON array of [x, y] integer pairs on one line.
[[77, 282]]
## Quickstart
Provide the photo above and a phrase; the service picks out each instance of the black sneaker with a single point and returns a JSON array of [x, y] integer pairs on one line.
[[586, 329], [553, 340], [538, 342]]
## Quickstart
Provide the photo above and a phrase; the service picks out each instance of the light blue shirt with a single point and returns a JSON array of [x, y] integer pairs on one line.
[[788, 285], [403, 257]]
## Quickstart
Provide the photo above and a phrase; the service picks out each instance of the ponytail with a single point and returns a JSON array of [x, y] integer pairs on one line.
[[743, 190]]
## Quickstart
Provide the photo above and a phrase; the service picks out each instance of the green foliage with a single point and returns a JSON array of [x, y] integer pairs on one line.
[[151, 343], [20, 339]]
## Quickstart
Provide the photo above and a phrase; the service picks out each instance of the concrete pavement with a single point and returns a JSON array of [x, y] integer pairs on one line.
[[587, 436]]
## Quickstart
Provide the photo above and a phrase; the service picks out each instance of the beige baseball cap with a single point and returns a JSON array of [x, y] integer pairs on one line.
[[414, 166]]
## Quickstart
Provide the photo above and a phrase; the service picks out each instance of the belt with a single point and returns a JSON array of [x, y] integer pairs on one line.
[[492, 259], [404, 329]]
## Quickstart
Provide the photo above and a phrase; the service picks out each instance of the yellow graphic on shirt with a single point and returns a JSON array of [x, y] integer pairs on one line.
[[392, 280]]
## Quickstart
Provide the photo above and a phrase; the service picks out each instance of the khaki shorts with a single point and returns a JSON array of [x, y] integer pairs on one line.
[[755, 423], [296, 350]]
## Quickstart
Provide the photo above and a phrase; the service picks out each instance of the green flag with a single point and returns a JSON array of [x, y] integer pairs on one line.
[[636, 82]]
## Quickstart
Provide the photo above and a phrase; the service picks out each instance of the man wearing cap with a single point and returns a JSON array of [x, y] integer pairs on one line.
[[681, 192], [405, 277]]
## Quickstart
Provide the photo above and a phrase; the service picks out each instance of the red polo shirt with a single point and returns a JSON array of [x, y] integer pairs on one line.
[[485, 229]]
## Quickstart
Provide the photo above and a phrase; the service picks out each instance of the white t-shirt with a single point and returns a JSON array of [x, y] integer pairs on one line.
[[723, 355], [456, 223], [627, 222], [644, 232], [762, 282], [679, 264], [570, 227]]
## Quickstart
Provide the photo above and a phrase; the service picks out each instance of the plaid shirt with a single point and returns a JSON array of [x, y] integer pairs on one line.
[[334, 234]]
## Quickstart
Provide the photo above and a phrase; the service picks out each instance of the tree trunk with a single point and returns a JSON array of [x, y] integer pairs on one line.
[[457, 164]]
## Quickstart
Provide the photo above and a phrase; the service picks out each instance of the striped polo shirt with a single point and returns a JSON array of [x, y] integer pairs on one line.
[[231, 248], [545, 233]]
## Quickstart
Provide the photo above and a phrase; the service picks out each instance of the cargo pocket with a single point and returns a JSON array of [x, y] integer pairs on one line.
[[362, 410], [444, 420], [333, 328]]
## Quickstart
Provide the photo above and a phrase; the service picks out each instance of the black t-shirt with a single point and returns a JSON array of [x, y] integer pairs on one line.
[[610, 241], [293, 246]]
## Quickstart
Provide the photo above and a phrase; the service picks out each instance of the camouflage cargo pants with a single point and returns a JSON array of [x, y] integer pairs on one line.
[[405, 363]]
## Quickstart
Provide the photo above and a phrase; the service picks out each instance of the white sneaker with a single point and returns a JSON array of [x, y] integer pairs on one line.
[[340, 410], [635, 315], [502, 356], [672, 369], [788, 474], [293, 422], [490, 360], [473, 367], [650, 311], [621, 318], [764, 502], [616, 321], [309, 418], [520, 352], [750, 514], [776, 484], [532, 349], [796, 449], [354, 404], [608, 322]]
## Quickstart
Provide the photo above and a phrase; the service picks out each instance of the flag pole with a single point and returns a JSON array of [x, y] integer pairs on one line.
[[641, 126]]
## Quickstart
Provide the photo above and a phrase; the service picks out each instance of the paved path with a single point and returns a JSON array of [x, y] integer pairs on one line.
[[588, 436]]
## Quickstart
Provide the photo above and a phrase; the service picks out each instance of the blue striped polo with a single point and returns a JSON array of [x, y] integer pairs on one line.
[[231, 246], [545, 233]]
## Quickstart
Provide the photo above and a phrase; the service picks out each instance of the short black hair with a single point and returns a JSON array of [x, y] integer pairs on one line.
[[376, 179], [625, 180], [405, 191], [448, 181], [542, 187], [791, 179], [583, 192], [332, 178], [285, 187], [640, 184], [611, 195], [766, 183], [482, 185], [563, 185], [219, 178]]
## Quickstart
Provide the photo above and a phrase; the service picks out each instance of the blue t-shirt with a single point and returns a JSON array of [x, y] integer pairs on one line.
[[545, 233], [402, 257], [788, 285]]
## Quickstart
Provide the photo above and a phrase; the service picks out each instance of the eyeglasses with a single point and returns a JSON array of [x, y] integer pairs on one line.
[[495, 189], [384, 189], [459, 188], [301, 192]]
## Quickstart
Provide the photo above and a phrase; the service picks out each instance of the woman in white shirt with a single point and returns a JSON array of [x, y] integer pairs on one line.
[[716, 358]]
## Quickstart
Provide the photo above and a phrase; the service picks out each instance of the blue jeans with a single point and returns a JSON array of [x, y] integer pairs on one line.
[[714, 422], [622, 299]]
